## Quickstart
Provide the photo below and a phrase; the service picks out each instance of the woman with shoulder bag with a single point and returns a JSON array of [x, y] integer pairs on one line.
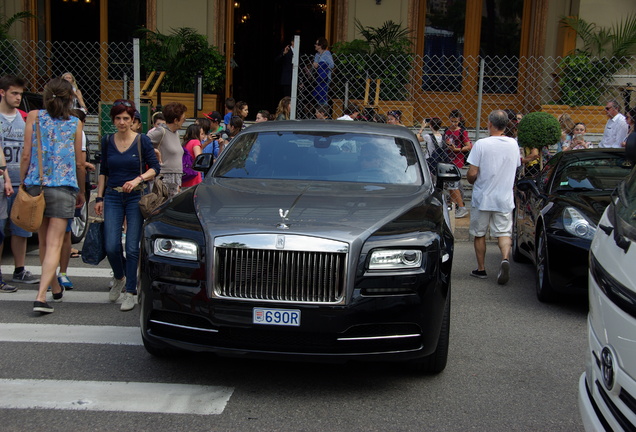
[[53, 141], [120, 186]]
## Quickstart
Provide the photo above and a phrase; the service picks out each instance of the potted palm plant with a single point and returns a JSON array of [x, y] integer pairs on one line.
[[587, 72], [182, 54], [385, 53], [586, 75], [11, 61]]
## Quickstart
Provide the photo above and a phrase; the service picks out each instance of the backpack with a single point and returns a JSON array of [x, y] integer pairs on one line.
[[440, 154], [187, 162]]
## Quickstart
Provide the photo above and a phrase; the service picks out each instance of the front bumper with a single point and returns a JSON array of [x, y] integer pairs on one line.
[[610, 330], [384, 327], [568, 258]]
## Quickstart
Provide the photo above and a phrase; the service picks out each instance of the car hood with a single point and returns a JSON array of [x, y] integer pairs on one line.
[[592, 203], [344, 211]]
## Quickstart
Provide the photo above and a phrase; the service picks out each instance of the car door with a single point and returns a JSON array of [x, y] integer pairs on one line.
[[536, 200]]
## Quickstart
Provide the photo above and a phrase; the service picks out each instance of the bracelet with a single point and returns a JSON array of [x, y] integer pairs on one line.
[[99, 199], [140, 177]]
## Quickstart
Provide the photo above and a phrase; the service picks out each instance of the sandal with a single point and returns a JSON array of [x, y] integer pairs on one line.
[[75, 253]]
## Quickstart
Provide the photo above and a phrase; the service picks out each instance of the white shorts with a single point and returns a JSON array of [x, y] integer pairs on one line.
[[500, 223]]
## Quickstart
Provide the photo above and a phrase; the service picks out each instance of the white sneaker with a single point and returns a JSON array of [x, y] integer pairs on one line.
[[128, 303], [461, 212], [116, 290]]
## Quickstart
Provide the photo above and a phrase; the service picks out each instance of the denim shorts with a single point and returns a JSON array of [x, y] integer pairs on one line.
[[60, 201]]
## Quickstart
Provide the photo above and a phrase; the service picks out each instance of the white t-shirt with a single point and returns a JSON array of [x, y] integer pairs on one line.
[[615, 132], [497, 158], [430, 145]]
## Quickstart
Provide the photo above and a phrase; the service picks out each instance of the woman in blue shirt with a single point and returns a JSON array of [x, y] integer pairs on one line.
[[323, 64], [122, 177], [60, 141]]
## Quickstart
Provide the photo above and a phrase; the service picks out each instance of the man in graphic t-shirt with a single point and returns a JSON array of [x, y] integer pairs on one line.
[[12, 140]]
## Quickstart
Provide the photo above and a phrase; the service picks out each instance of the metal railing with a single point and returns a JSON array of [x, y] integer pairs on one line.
[[419, 87], [422, 87]]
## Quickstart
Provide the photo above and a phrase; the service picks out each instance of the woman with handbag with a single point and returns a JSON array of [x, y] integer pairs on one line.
[[128, 162], [52, 164]]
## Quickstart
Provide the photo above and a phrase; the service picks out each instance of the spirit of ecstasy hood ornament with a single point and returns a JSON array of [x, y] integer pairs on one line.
[[283, 216]]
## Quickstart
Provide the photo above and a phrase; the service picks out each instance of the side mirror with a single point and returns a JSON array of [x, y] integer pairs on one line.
[[203, 162], [526, 185], [447, 172]]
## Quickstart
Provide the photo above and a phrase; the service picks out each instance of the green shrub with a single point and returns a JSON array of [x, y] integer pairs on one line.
[[538, 129]]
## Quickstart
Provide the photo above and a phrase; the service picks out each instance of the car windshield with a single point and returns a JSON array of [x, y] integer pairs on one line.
[[349, 157], [602, 173]]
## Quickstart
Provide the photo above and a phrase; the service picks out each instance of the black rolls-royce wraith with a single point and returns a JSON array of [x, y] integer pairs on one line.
[[324, 240]]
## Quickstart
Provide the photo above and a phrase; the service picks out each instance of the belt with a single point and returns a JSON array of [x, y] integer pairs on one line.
[[121, 189]]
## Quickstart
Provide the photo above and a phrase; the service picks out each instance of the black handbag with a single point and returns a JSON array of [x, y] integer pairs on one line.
[[94, 249]]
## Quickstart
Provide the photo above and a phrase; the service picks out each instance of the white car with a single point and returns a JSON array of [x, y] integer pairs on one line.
[[607, 388]]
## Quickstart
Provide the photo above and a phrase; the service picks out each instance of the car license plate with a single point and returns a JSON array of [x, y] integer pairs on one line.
[[284, 317]]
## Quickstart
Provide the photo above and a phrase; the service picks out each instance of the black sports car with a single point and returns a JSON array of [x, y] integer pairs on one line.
[[312, 239], [557, 213]]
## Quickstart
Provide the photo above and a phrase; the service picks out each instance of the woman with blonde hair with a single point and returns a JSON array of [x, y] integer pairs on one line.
[[283, 111], [567, 128], [78, 100], [53, 141]]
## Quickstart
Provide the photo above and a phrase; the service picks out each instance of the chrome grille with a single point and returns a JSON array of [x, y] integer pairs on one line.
[[280, 275]]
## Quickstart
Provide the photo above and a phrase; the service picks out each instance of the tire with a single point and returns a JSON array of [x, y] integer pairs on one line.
[[436, 362], [545, 291], [80, 225], [160, 351], [517, 256]]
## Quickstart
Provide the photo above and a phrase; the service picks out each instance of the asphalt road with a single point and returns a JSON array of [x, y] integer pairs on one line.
[[513, 366]]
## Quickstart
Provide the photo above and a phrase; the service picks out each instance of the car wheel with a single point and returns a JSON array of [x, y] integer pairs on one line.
[[517, 256], [545, 292], [160, 351], [79, 225], [436, 362]]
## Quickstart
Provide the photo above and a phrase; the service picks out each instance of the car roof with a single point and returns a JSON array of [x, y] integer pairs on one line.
[[337, 126]]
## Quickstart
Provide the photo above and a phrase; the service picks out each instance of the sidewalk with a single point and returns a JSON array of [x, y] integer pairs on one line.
[[461, 228]]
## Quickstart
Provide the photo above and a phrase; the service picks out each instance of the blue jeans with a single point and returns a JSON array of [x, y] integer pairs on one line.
[[118, 205]]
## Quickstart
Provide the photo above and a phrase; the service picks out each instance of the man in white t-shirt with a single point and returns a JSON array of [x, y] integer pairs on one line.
[[351, 113], [616, 127], [493, 166]]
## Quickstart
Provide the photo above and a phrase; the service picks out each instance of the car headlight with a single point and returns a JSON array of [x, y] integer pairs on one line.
[[395, 259], [173, 248], [576, 224]]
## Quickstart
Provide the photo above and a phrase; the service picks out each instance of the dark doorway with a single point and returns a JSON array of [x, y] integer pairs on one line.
[[75, 21], [261, 31], [75, 31]]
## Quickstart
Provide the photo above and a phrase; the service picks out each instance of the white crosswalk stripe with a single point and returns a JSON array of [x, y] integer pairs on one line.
[[114, 396], [92, 272], [74, 296], [60, 333], [95, 395]]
